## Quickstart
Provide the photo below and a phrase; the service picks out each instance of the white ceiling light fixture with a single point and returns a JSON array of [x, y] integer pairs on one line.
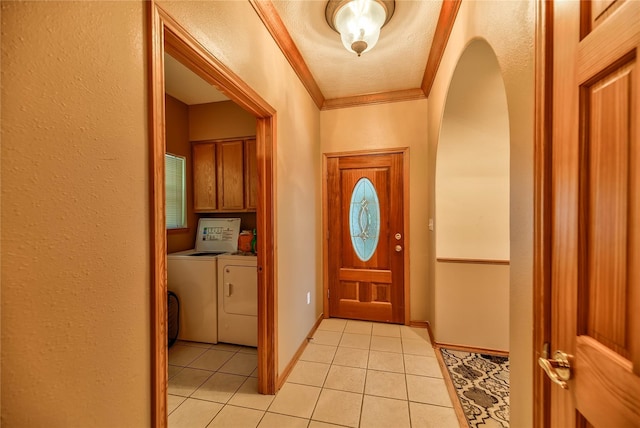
[[359, 21]]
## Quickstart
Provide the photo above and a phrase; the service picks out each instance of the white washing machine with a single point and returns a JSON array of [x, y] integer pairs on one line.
[[238, 299], [192, 275]]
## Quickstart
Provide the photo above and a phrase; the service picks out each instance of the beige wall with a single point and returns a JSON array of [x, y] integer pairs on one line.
[[472, 170], [177, 139], [393, 125], [508, 27], [220, 120], [75, 215], [75, 201], [472, 305]]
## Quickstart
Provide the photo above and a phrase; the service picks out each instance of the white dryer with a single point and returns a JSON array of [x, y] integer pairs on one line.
[[192, 275], [238, 299]]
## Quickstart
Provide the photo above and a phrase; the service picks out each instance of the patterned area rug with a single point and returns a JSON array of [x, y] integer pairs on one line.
[[482, 385]]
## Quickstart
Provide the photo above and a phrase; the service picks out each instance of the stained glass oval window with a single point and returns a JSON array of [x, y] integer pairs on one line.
[[364, 219]]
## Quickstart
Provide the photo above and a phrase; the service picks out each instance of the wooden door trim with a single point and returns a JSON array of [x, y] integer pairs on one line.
[[404, 151], [166, 33], [542, 206]]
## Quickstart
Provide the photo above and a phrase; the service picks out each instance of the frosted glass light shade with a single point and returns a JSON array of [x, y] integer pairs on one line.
[[359, 23]]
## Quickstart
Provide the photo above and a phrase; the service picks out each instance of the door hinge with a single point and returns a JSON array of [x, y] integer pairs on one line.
[[328, 294]]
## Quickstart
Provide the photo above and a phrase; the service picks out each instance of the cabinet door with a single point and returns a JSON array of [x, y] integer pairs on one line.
[[204, 177], [230, 175], [250, 175]]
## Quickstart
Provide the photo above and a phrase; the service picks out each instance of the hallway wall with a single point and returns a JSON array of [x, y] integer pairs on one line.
[[75, 201], [508, 27], [472, 305], [472, 206], [383, 126]]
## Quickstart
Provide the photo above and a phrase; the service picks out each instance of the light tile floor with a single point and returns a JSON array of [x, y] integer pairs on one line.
[[352, 373]]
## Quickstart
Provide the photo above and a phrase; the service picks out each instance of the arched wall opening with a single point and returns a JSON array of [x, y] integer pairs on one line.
[[472, 206]]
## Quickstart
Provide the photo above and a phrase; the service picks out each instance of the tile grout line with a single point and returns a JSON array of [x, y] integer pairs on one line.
[[406, 382], [323, 386]]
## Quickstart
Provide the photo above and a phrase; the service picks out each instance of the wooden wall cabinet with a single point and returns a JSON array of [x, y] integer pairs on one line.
[[204, 177], [225, 176]]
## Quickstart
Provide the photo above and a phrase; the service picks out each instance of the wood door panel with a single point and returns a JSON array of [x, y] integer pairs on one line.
[[380, 293], [368, 311], [595, 12], [596, 51], [204, 177], [349, 290], [598, 368], [371, 289], [595, 274], [230, 175], [251, 175], [606, 108], [373, 275]]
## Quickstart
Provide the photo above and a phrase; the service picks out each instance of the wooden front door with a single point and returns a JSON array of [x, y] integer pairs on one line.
[[595, 217], [365, 233]]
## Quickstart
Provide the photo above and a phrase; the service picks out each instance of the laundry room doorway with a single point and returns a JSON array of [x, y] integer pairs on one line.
[[168, 36]]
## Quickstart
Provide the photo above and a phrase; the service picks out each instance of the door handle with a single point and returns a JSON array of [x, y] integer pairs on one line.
[[227, 291], [558, 369]]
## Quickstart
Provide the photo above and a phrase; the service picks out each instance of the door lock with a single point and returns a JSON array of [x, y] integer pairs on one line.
[[398, 248]]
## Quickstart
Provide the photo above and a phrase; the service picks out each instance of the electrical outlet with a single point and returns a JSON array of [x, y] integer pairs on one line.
[[308, 297]]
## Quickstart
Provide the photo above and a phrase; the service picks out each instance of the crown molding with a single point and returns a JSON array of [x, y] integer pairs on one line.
[[269, 16], [378, 98], [448, 13]]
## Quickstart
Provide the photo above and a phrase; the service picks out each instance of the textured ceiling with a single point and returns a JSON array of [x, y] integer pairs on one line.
[[186, 86], [397, 62]]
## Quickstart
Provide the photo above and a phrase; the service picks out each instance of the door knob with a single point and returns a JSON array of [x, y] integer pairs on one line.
[[398, 248], [558, 369]]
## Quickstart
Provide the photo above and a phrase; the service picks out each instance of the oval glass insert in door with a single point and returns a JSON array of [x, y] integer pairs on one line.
[[364, 219]]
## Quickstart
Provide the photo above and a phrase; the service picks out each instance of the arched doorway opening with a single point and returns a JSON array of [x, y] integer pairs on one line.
[[472, 206]]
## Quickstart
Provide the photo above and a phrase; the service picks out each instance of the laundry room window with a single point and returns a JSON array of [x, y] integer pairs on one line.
[[174, 167]]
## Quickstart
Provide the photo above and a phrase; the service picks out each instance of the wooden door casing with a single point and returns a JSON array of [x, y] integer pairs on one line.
[[595, 217], [372, 289]]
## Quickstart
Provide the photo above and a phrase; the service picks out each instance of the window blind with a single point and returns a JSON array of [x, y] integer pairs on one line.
[[175, 191]]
